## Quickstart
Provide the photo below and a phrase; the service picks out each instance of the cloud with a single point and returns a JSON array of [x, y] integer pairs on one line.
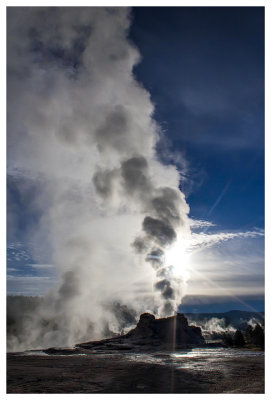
[[203, 240], [16, 251], [205, 100], [233, 265], [29, 285], [199, 223], [10, 269], [41, 266]]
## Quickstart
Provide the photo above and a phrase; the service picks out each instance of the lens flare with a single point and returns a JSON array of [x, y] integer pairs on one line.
[[179, 257]]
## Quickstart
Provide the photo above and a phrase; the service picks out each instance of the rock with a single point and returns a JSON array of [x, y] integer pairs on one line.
[[169, 330], [57, 350], [153, 333]]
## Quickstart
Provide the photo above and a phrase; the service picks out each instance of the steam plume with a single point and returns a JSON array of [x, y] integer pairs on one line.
[[81, 125]]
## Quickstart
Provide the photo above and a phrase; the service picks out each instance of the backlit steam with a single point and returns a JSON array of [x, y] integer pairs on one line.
[[81, 128]]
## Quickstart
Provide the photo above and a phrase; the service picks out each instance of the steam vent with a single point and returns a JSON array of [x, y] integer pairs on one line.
[[151, 333]]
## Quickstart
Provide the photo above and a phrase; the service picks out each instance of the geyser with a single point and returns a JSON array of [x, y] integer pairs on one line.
[[80, 129]]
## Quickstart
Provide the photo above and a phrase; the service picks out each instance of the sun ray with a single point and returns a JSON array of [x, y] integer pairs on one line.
[[226, 291]]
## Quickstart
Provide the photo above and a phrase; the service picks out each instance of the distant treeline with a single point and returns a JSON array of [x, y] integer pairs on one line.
[[252, 336], [235, 318], [234, 328]]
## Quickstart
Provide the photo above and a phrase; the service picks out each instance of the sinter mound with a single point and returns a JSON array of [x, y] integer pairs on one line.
[[163, 333]]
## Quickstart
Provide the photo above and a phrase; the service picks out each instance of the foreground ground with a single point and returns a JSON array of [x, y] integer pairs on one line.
[[127, 373]]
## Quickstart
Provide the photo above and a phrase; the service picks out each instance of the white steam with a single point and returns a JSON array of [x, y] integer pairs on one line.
[[213, 327], [80, 126]]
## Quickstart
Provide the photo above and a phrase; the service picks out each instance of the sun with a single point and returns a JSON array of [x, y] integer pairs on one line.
[[179, 258]]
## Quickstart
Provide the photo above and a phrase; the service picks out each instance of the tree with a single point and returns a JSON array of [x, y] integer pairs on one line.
[[258, 336], [238, 338], [227, 339], [249, 334]]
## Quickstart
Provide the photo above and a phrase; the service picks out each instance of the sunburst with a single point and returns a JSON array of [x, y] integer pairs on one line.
[[178, 257]]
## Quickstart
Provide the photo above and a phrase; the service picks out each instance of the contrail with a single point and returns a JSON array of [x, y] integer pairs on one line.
[[220, 197]]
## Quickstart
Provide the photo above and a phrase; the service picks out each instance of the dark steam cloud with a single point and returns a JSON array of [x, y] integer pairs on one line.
[[134, 172], [103, 182], [112, 133], [69, 286], [156, 257], [140, 245], [165, 287], [166, 205], [159, 230]]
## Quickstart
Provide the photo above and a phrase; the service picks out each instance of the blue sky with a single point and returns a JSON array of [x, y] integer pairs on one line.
[[204, 70]]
